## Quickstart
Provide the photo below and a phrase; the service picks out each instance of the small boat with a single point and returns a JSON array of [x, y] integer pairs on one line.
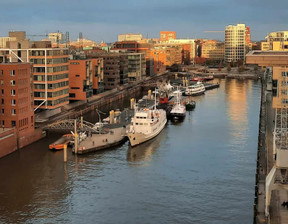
[[190, 105], [196, 89], [59, 144], [208, 78], [197, 79], [178, 110]]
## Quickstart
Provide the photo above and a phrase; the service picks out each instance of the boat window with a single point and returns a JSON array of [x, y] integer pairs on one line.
[[136, 123]]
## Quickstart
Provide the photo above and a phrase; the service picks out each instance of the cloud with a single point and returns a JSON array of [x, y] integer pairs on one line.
[[107, 18]]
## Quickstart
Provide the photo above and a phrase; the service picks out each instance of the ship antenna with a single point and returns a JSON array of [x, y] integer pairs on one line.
[[155, 99]]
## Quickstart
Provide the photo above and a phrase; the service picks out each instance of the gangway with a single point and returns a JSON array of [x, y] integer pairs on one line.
[[69, 125]]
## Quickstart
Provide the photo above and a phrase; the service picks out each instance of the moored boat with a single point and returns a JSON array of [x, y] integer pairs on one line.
[[146, 124], [190, 105], [59, 144], [178, 110], [110, 133], [196, 89]]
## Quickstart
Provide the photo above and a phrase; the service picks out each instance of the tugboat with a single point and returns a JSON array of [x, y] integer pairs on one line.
[[178, 110], [196, 89], [146, 124]]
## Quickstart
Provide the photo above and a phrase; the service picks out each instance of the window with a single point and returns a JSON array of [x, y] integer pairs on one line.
[[2, 82], [13, 123], [3, 123], [12, 72], [2, 101], [3, 111], [13, 92], [1, 72], [2, 91], [12, 82], [13, 102], [13, 111]]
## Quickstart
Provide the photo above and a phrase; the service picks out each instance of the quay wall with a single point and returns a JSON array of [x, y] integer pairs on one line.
[[8, 142], [30, 137], [261, 168]]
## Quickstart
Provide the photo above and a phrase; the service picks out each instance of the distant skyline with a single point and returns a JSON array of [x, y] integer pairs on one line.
[[104, 20]]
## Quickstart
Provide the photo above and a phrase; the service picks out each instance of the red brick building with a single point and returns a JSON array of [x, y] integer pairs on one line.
[[16, 107], [80, 79], [16, 100]]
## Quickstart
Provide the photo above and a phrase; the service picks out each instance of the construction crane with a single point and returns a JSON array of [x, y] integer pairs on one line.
[[214, 31]]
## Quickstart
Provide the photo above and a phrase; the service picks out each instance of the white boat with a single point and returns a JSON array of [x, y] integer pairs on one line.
[[178, 109], [146, 124], [196, 89]]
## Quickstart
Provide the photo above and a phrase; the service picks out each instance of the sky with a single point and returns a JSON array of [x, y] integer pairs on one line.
[[104, 20]]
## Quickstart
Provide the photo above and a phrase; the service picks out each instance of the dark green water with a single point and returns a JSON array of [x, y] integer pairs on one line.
[[198, 171]]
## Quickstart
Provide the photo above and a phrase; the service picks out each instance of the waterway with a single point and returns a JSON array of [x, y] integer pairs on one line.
[[200, 170]]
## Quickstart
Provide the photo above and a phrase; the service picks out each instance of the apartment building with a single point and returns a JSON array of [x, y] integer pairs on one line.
[[50, 69], [133, 46], [130, 37], [235, 43], [185, 42], [50, 75], [276, 41], [16, 96], [80, 79], [165, 36], [136, 66], [213, 50], [97, 75], [166, 55]]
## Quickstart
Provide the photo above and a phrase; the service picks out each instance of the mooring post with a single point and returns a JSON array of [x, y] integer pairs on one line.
[[65, 153]]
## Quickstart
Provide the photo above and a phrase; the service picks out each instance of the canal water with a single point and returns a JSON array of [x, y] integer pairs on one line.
[[200, 170]]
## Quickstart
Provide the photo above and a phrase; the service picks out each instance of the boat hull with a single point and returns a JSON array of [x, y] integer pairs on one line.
[[195, 93], [138, 138], [97, 142]]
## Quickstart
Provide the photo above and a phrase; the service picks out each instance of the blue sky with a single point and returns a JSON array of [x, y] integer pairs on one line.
[[104, 20]]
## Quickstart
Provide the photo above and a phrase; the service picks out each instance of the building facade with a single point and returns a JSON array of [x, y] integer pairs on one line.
[[130, 37], [165, 36], [235, 44], [136, 66], [16, 96], [50, 69], [191, 42], [276, 41], [98, 75], [50, 77], [80, 79], [213, 51]]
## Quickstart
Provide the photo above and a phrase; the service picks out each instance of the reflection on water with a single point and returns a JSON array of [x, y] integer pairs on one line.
[[140, 155], [200, 170]]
